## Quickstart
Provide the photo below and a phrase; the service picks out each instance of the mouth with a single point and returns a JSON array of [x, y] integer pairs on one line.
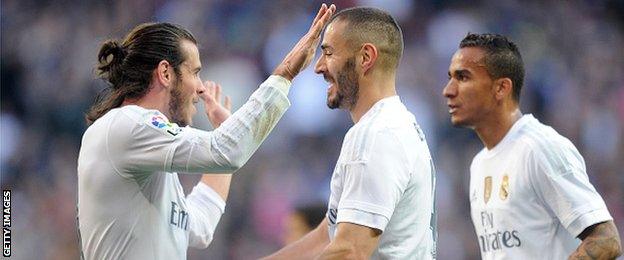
[[453, 108], [331, 87], [332, 84]]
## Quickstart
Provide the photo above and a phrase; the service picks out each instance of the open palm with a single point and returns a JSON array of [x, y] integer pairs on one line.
[[216, 110]]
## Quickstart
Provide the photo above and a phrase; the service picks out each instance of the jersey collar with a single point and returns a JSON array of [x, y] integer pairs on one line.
[[388, 101], [511, 134]]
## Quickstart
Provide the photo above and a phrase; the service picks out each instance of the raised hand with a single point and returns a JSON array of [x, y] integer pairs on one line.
[[216, 111], [303, 53]]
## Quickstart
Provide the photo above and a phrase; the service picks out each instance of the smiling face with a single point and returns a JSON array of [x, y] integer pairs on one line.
[[470, 90], [337, 65], [184, 92]]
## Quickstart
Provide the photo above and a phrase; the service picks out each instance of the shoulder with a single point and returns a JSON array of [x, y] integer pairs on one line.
[[549, 150], [137, 114], [151, 119], [381, 135]]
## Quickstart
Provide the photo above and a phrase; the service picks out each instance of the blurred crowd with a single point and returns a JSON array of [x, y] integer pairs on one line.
[[574, 59]]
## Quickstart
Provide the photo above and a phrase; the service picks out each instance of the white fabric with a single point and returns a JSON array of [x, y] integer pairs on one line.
[[546, 202], [130, 202], [384, 179]]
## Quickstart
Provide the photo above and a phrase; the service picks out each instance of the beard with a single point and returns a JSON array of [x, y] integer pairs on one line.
[[347, 87], [177, 106]]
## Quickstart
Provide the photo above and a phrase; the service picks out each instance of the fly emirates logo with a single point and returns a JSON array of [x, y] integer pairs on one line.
[[493, 239], [178, 216]]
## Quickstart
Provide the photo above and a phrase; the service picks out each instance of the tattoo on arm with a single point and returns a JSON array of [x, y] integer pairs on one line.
[[600, 241]]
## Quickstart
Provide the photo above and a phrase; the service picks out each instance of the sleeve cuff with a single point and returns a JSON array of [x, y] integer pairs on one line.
[[363, 218], [279, 82], [207, 194], [585, 220]]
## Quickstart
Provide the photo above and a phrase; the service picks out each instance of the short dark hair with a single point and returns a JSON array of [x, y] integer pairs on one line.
[[502, 58], [366, 24], [127, 65]]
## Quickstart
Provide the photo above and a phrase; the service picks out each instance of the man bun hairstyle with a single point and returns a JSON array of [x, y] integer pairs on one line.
[[110, 58], [127, 65], [502, 58]]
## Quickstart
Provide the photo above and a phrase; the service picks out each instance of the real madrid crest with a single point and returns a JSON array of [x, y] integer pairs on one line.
[[504, 189], [487, 189]]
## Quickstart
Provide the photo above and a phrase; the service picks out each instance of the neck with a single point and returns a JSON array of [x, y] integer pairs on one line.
[[493, 130], [371, 91], [152, 100]]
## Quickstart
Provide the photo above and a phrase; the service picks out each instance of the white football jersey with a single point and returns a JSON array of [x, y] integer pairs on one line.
[[130, 202], [530, 196], [385, 179]]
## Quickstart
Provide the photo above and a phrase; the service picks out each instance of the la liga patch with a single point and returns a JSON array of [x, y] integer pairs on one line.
[[159, 121]]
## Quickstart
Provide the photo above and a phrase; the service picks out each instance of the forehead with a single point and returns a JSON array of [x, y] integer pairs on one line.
[[191, 53], [334, 35], [468, 58]]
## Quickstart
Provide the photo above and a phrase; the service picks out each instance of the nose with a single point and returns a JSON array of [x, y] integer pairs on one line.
[[319, 67], [450, 90], [201, 88]]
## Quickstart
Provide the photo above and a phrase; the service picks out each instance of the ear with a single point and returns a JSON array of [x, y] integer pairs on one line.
[[164, 73], [369, 54], [503, 88]]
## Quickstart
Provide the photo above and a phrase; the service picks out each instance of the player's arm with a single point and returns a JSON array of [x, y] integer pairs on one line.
[[600, 241], [371, 191], [352, 241], [206, 203], [241, 134], [233, 143], [162, 147], [559, 177], [308, 247], [217, 111]]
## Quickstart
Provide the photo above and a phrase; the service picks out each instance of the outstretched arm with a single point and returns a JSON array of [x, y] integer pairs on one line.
[[308, 247], [352, 241], [229, 146], [600, 241]]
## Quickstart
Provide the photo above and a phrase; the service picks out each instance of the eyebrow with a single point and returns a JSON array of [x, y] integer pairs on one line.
[[463, 72], [325, 46]]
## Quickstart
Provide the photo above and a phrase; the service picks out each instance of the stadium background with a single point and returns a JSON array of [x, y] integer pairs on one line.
[[573, 51]]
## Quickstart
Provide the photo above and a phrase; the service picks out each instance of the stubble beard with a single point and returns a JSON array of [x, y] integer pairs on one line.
[[347, 87], [177, 105]]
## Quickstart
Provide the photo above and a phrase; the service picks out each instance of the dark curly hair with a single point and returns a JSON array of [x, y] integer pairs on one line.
[[502, 58]]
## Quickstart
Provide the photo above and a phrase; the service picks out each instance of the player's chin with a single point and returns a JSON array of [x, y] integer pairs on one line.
[[333, 102], [458, 121]]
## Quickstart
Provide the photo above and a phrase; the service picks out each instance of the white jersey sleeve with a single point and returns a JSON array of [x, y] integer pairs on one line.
[[205, 208], [557, 173], [152, 144], [373, 187]]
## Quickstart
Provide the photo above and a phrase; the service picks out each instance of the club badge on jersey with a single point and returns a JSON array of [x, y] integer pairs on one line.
[[504, 189], [159, 121], [487, 189]]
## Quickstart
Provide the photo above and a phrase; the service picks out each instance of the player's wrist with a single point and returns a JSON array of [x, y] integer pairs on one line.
[[284, 71]]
